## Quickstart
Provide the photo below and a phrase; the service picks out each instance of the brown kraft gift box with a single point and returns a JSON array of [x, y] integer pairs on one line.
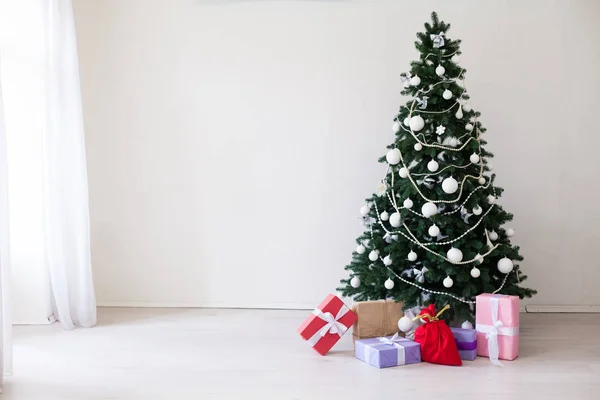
[[376, 318]]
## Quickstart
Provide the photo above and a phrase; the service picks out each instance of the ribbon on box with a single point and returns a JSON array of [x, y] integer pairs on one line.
[[492, 331], [371, 352], [333, 325]]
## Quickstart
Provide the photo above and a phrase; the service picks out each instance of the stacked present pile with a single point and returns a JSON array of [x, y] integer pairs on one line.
[[385, 337]]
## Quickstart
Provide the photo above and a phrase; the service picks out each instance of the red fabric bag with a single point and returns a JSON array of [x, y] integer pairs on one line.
[[435, 337]]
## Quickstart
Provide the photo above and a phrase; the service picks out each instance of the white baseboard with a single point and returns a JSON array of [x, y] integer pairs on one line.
[[562, 309]]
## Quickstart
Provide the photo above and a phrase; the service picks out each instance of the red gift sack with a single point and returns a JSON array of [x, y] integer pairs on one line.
[[435, 337]]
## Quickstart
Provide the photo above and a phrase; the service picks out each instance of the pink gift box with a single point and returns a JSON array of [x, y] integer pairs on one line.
[[497, 316]]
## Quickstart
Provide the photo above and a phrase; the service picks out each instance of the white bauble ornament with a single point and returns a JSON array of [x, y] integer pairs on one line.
[[459, 113], [477, 210], [406, 121], [412, 256], [393, 156], [364, 210], [396, 127], [384, 216], [466, 325], [395, 220], [450, 185], [510, 232], [447, 94], [408, 203], [448, 282], [360, 249], [479, 258], [387, 260], [389, 284], [481, 180], [416, 123], [453, 142], [429, 209], [373, 255], [433, 165], [491, 199], [454, 255], [433, 230], [355, 282], [474, 158], [505, 265], [455, 59], [415, 81], [405, 324], [475, 272], [439, 70], [403, 172], [490, 166], [469, 127], [467, 108], [493, 236], [418, 146]]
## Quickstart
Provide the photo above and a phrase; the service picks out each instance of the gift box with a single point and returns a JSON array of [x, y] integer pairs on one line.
[[327, 323], [376, 318], [437, 343], [389, 351], [497, 325], [466, 343]]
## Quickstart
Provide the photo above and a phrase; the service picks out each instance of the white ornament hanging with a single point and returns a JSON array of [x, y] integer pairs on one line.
[[415, 81], [360, 249], [440, 70], [455, 59], [450, 185], [396, 127], [433, 165], [466, 325], [403, 172], [389, 284], [408, 203], [510, 232], [418, 146], [505, 265], [373, 255], [475, 272], [433, 230], [406, 121], [459, 113], [479, 258], [467, 108], [490, 166], [416, 123], [384, 216], [491, 199], [405, 324], [364, 210], [387, 260], [440, 130], [393, 156], [395, 220], [355, 282], [493, 236], [454, 255], [429, 209], [412, 256], [447, 94], [477, 210], [448, 282], [481, 180], [469, 127], [474, 158]]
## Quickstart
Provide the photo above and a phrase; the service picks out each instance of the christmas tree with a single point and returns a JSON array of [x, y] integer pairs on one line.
[[434, 229]]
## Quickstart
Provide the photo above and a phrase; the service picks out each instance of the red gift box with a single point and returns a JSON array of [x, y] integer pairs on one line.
[[327, 323]]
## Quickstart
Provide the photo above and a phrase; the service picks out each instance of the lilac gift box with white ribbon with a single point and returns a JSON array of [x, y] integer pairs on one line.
[[388, 351]]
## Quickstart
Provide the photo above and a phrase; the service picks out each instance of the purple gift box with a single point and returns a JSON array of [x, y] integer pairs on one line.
[[388, 351], [466, 341]]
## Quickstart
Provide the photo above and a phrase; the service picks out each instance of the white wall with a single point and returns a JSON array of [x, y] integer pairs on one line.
[[231, 143]]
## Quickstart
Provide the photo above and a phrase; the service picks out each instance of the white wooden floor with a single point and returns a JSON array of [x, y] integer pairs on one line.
[[180, 354]]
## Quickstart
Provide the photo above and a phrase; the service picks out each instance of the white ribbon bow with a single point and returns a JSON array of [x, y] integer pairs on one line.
[[333, 325], [419, 274], [422, 103], [405, 78], [438, 40]]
